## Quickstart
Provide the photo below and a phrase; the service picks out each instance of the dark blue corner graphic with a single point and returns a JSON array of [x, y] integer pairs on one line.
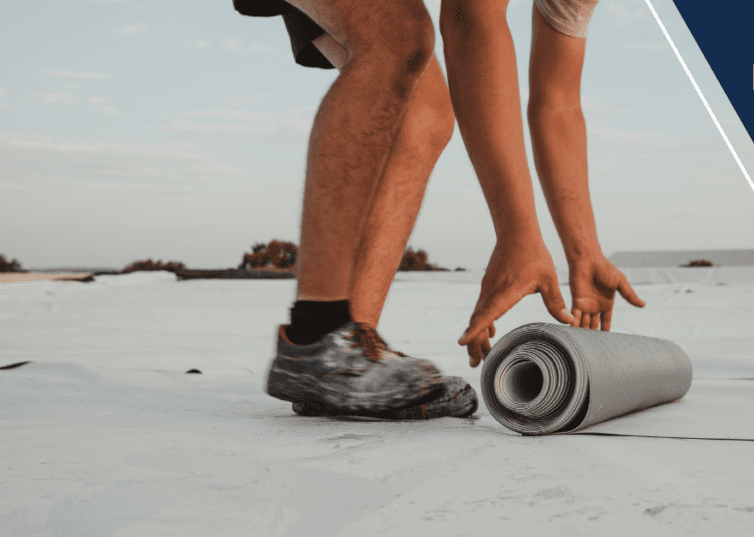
[[724, 31]]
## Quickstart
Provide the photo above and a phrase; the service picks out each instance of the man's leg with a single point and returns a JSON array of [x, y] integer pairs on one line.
[[424, 131], [389, 46], [329, 360]]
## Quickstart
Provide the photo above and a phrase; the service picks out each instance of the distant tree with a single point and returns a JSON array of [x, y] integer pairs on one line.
[[698, 263], [279, 254], [149, 265], [257, 259], [416, 260], [282, 254], [9, 266]]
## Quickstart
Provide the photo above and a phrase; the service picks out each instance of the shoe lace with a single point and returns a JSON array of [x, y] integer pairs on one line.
[[368, 339]]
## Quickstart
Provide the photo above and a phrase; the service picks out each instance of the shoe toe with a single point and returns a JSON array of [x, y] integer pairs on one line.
[[456, 399], [419, 368]]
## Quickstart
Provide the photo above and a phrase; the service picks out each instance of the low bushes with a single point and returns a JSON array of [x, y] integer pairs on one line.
[[148, 264], [9, 266], [698, 263], [416, 260], [277, 254], [281, 256]]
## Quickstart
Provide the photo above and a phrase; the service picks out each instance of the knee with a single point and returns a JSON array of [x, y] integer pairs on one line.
[[401, 52], [412, 52]]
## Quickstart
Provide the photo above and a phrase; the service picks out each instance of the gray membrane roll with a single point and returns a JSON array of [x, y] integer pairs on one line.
[[544, 378]]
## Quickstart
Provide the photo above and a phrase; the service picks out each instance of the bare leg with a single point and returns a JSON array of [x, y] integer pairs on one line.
[[389, 46], [424, 131]]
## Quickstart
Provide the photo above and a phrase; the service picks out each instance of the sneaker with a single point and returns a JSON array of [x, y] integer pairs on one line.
[[457, 399], [350, 369]]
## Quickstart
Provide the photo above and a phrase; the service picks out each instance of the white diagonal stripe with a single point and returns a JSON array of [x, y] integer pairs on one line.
[[717, 123]]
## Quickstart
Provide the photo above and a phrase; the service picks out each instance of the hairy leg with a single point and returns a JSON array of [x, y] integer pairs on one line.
[[389, 46], [424, 131]]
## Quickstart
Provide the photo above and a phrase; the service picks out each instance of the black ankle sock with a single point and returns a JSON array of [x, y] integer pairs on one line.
[[311, 320]]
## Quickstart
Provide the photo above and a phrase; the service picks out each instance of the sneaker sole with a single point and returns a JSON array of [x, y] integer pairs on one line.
[[308, 390], [457, 399]]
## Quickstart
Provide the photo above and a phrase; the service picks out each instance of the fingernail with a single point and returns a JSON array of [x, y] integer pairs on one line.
[[568, 314]]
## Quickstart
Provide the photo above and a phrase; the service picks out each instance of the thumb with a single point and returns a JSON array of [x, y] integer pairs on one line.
[[627, 292], [556, 305]]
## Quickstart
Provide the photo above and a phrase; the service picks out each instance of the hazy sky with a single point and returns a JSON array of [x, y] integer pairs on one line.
[[132, 129]]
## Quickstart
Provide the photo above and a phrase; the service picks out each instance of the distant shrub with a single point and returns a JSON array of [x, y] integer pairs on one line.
[[278, 254], [148, 265], [416, 260], [282, 255], [698, 263], [9, 266]]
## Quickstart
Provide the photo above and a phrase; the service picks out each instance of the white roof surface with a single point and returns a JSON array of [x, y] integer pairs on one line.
[[103, 433], [725, 258]]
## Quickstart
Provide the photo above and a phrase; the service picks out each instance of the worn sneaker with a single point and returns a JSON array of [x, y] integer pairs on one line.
[[457, 399], [350, 369]]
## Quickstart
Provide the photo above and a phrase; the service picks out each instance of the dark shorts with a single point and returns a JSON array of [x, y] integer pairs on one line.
[[301, 29]]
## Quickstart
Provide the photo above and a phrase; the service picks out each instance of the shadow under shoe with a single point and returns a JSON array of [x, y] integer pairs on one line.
[[457, 399], [350, 369]]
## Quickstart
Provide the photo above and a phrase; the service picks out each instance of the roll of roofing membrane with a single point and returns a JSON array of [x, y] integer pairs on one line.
[[545, 378]]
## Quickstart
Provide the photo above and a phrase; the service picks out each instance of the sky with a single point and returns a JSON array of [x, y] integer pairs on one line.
[[133, 130]]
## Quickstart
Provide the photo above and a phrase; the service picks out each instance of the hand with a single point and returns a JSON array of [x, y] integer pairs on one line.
[[594, 280], [514, 271]]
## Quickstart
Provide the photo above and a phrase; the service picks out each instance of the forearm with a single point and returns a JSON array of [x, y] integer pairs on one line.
[[483, 82], [560, 156]]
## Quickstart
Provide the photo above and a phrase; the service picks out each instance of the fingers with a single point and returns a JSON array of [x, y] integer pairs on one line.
[[485, 348], [590, 321], [487, 315], [480, 348], [627, 292], [555, 304], [577, 313], [607, 317], [475, 353]]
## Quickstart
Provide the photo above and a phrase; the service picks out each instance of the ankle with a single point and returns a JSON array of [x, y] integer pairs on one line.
[[311, 320]]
